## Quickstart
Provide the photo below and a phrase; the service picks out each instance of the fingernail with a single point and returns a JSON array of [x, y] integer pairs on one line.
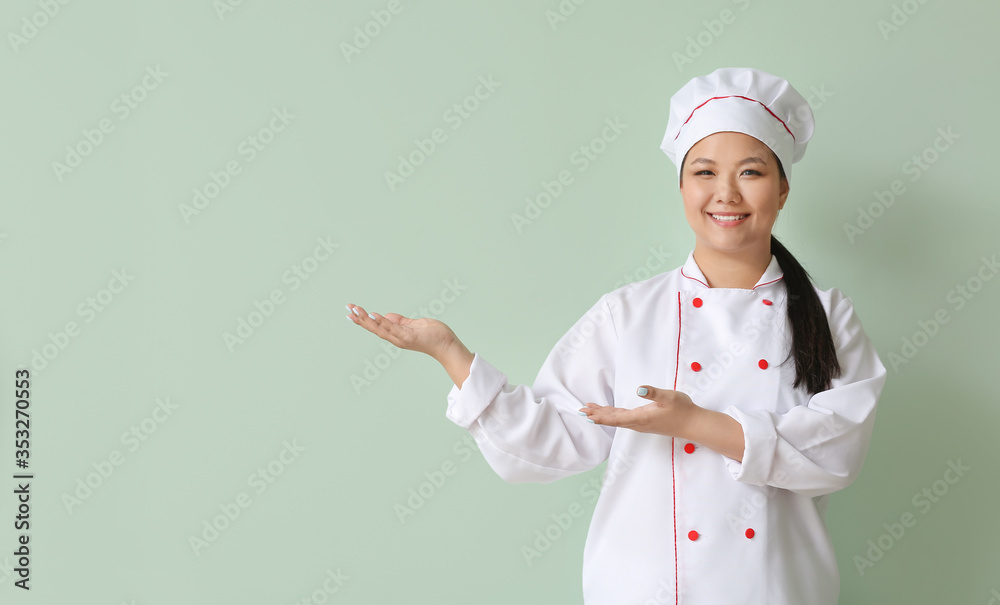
[[348, 307], [591, 421], [372, 316], [642, 390], [582, 413], [349, 318], [355, 311]]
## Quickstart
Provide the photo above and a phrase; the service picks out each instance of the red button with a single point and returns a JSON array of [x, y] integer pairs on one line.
[[762, 364], [689, 448], [696, 302], [750, 533], [767, 302], [692, 535], [696, 366]]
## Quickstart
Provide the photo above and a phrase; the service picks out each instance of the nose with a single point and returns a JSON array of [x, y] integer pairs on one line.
[[727, 192]]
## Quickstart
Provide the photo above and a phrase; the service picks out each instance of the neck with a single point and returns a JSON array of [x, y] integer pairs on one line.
[[726, 270]]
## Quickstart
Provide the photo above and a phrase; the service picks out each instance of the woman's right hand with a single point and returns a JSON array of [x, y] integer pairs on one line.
[[423, 334]]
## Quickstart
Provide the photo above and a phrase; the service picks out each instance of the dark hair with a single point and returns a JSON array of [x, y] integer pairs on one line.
[[816, 361]]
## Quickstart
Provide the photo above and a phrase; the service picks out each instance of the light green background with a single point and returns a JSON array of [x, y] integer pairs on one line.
[[333, 507]]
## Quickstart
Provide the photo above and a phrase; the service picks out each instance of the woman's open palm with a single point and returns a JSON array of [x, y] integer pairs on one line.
[[422, 334]]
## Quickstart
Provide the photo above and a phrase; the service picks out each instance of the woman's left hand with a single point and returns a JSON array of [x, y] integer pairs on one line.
[[669, 413]]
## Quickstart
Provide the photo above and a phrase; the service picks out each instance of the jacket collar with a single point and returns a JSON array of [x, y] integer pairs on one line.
[[696, 279]]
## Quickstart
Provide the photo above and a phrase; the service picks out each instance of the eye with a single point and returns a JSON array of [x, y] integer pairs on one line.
[[748, 170]]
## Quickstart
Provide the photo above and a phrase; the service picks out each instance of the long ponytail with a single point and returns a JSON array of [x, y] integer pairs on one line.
[[816, 361]]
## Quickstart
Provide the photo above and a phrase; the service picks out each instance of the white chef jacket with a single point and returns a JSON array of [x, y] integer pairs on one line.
[[677, 522]]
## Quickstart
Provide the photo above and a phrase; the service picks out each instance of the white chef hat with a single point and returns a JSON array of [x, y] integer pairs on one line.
[[739, 99]]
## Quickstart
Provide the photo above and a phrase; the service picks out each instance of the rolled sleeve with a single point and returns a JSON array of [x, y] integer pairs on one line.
[[760, 439], [465, 405]]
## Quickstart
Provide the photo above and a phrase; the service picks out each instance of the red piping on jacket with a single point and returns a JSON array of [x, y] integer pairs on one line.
[[767, 282], [679, 302], [708, 286], [673, 479]]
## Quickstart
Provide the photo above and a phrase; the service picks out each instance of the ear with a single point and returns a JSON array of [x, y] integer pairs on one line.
[[783, 189]]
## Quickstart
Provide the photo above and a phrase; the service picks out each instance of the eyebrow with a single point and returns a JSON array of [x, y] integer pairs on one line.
[[749, 160]]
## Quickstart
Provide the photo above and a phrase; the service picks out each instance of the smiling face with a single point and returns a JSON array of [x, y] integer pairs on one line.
[[732, 191]]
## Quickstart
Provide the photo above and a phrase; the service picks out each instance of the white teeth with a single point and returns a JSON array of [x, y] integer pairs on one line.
[[729, 218]]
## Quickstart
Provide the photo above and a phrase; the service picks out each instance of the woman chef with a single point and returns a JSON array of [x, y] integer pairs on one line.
[[729, 396]]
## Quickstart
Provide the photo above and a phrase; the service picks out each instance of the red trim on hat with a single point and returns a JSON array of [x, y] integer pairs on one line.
[[727, 97]]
